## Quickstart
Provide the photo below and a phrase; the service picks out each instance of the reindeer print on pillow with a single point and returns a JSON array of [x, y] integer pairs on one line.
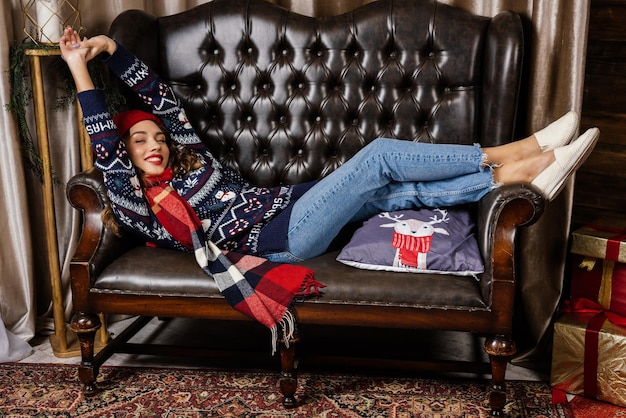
[[421, 241], [412, 238]]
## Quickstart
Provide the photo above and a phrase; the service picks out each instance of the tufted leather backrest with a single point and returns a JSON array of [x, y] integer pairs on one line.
[[286, 98]]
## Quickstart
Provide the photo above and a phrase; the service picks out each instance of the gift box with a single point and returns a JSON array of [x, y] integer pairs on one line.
[[599, 267], [600, 242], [588, 357]]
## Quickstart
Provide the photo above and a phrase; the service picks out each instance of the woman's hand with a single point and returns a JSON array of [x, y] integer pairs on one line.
[[73, 48], [77, 54]]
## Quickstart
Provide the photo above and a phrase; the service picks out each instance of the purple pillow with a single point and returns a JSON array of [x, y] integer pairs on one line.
[[418, 241]]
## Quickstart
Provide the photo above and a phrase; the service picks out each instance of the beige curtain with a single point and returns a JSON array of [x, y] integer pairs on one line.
[[555, 58], [17, 295]]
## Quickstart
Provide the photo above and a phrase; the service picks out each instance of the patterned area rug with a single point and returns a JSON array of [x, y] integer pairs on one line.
[[37, 390]]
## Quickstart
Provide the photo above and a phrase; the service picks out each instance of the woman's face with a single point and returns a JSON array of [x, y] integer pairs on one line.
[[147, 147]]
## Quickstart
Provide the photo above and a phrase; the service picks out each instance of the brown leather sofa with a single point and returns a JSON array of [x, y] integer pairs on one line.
[[286, 98]]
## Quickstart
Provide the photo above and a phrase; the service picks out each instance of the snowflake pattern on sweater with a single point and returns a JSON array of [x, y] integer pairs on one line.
[[233, 212]]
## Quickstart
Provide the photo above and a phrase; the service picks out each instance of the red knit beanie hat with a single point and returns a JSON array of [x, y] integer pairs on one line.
[[125, 120]]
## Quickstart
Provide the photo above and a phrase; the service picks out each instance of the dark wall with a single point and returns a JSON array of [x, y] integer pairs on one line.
[[600, 193]]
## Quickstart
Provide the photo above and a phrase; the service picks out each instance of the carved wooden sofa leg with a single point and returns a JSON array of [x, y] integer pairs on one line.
[[86, 326], [288, 374], [500, 349]]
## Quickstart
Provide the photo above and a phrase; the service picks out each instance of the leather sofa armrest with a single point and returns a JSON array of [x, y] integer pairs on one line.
[[98, 246], [499, 214]]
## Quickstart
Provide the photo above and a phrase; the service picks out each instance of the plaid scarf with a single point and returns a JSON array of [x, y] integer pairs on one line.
[[261, 289]]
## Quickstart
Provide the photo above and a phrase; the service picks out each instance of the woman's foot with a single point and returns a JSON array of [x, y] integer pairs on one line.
[[558, 133], [567, 160], [524, 170]]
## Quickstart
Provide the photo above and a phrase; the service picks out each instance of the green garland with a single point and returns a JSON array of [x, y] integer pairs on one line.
[[21, 94]]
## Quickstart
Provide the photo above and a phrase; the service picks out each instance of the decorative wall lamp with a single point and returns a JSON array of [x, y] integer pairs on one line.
[[44, 20]]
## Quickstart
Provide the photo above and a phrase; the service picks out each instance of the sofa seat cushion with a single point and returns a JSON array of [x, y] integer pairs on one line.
[[345, 284], [173, 273]]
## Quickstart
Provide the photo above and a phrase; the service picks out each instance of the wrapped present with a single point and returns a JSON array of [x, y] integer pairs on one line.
[[600, 242], [599, 267], [588, 356]]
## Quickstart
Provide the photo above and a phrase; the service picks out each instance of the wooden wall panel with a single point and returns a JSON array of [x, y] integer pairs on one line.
[[600, 191]]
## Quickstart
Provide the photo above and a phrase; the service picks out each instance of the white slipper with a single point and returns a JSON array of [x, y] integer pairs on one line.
[[558, 133], [567, 160]]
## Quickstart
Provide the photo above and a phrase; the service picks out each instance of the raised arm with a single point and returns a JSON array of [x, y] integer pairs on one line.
[[157, 95], [77, 53], [120, 177]]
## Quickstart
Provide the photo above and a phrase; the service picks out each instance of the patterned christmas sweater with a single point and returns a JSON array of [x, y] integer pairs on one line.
[[235, 214]]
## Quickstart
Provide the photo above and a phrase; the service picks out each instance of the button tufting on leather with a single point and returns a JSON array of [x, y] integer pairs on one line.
[[305, 90]]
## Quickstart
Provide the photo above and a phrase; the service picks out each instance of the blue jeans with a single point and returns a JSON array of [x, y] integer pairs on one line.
[[386, 175]]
